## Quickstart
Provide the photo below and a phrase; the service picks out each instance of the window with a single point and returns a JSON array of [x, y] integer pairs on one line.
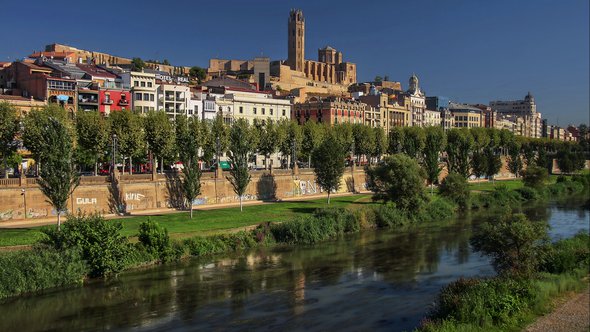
[[146, 96], [143, 84], [241, 110], [283, 112], [254, 110], [138, 96], [271, 111], [151, 97], [263, 111], [135, 83], [149, 84], [138, 108]]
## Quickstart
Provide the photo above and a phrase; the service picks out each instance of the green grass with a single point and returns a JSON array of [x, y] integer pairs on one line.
[[489, 185], [206, 222]]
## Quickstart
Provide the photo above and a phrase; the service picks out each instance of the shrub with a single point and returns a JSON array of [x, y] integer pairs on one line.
[[388, 215], [41, 268], [367, 217], [528, 193], [516, 244], [155, 239], [438, 210], [456, 188], [569, 254], [535, 177], [398, 179], [100, 242], [484, 302]]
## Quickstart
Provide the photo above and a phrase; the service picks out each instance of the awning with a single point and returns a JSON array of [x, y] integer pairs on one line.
[[63, 98]]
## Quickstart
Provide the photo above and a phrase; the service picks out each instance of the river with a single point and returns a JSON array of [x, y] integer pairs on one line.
[[375, 280]]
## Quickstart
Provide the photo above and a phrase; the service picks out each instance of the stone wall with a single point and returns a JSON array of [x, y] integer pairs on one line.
[[137, 193]]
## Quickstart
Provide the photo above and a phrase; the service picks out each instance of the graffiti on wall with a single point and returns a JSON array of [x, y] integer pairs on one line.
[[133, 196], [200, 201], [86, 201], [5, 215]]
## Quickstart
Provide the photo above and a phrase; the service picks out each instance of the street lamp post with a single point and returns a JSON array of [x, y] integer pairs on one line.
[[23, 192]]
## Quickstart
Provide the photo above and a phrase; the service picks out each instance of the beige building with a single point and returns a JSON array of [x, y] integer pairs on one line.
[[432, 118], [466, 116], [386, 109], [24, 105], [144, 90], [235, 103], [173, 98], [525, 109], [414, 100]]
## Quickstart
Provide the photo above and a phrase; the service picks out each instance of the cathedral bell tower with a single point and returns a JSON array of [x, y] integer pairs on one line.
[[296, 40]]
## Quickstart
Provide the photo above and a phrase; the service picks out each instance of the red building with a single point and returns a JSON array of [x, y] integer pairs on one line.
[[113, 100], [332, 110]]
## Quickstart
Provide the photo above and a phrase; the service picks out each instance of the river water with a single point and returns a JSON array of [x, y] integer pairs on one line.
[[385, 280]]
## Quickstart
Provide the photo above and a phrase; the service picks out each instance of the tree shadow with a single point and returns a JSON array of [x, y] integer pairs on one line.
[[303, 210], [174, 189], [266, 188], [116, 203]]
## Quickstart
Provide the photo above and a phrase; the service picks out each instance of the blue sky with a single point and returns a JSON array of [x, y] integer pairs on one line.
[[470, 51]]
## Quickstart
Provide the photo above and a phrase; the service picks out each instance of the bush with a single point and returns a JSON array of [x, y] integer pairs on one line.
[[398, 179], [388, 215], [528, 193], [516, 244], [156, 241], [100, 242], [438, 210], [535, 177], [569, 254], [41, 268], [456, 188], [484, 302]]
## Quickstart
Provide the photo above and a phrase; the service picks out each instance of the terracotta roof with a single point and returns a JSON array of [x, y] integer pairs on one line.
[[35, 67]]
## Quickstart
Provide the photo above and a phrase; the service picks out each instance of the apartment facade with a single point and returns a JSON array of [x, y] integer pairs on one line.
[[144, 90]]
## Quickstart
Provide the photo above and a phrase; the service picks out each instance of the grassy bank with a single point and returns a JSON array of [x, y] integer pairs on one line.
[[205, 222], [509, 304]]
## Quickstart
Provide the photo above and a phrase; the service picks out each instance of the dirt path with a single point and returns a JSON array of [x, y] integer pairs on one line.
[[571, 315]]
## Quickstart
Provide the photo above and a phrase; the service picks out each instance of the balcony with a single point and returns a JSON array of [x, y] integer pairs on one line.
[[124, 102], [170, 98], [107, 102]]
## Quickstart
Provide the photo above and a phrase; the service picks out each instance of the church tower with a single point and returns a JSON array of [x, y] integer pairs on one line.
[[414, 87], [296, 40]]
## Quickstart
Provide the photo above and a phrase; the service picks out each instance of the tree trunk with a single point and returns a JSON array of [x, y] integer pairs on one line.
[[431, 189], [328, 197], [191, 210], [241, 208], [309, 161], [130, 165], [5, 168], [162, 165], [96, 169], [58, 221]]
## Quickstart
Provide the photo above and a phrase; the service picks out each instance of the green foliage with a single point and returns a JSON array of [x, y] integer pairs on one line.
[[100, 242], [35, 125], [27, 271], [156, 241], [159, 134], [58, 177], [313, 135], [202, 246], [398, 179], [267, 144], [535, 177], [92, 136], [456, 188], [459, 147], [395, 140], [328, 160], [128, 126], [323, 225], [567, 255], [189, 134], [493, 162], [516, 244], [434, 144], [380, 143], [137, 64], [9, 125], [198, 73], [484, 302], [364, 139], [570, 158], [514, 158], [388, 215], [437, 210], [241, 145], [414, 140]]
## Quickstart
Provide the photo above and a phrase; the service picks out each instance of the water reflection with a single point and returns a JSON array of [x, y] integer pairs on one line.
[[373, 280]]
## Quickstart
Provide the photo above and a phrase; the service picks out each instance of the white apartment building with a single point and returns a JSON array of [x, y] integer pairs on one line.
[[526, 110], [144, 90], [173, 98], [431, 118]]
